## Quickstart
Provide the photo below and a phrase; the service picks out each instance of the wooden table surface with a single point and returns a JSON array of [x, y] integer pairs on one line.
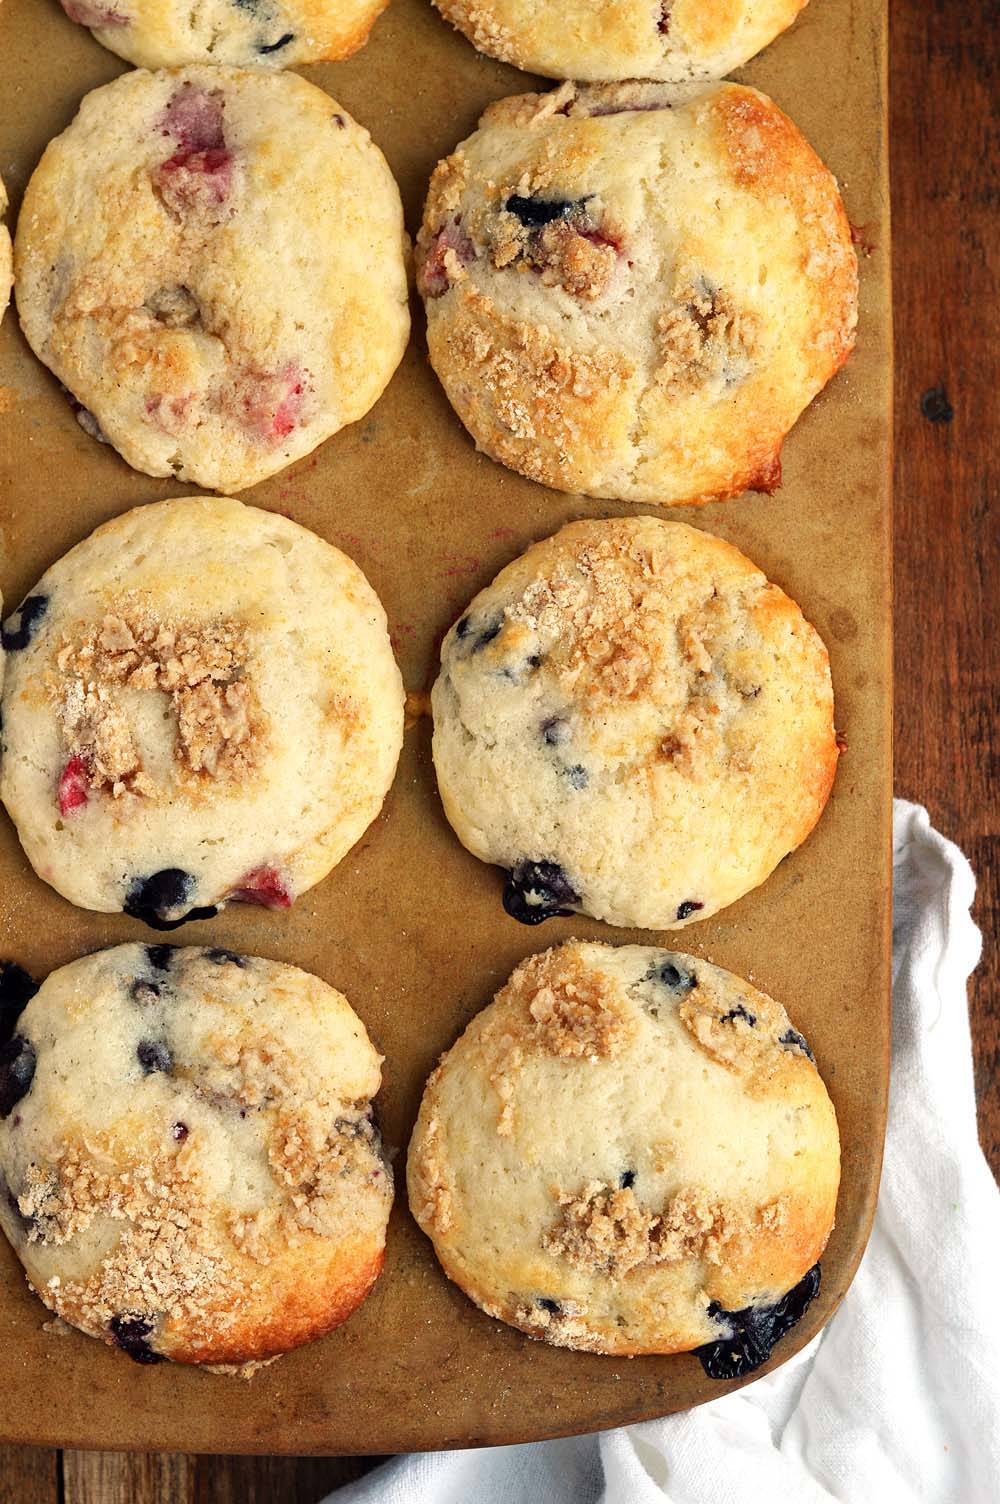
[[945, 63]]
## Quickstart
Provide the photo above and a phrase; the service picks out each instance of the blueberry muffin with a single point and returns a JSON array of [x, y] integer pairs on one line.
[[201, 704], [272, 33], [630, 1151], [189, 1165], [6, 256], [634, 723], [633, 290], [212, 261], [667, 40]]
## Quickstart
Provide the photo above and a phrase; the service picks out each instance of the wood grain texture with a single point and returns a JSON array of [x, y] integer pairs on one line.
[[945, 162], [29, 1475]]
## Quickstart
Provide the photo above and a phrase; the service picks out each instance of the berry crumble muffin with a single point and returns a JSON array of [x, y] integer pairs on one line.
[[634, 290], [667, 40], [634, 723], [212, 261], [201, 704], [271, 33], [630, 1151], [189, 1163]]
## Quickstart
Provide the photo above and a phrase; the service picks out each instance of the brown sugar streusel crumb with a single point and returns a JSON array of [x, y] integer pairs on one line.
[[577, 1011], [201, 668], [607, 1229]]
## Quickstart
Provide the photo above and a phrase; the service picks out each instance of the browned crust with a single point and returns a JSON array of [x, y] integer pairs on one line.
[[308, 1303]]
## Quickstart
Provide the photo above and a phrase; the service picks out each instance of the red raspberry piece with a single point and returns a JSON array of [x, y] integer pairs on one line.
[[272, 404], [434, 278], [194, 117], [85, 14], [263, 886], [74, 785]]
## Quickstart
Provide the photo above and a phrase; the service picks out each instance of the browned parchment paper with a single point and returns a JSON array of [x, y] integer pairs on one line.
[[410, 925]]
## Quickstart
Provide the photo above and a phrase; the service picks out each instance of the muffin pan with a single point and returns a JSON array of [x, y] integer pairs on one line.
[[410, 926]]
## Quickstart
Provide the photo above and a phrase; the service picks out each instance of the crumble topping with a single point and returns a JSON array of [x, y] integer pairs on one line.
[[705, 336], [577, 1010], [608, 1230], [200, 667]]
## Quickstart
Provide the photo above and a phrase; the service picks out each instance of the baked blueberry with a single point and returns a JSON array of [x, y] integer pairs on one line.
[[17, 989], [17, 1071], [688, 907], [535, 212], [269, 47], [219, 956], [19, 628], [159, 956], [132, 1333], [153, 899], [793, 1040], [535, 891], [739, 1012], [153, 1056], [676, 978], [754, 1331]]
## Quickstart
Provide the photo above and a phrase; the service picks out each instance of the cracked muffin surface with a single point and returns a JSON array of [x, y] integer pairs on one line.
[[630, 1151], [190, 1165], [593, 40], [633, 722], [634, 290], [212, 261], [201, 704], [274, 33]]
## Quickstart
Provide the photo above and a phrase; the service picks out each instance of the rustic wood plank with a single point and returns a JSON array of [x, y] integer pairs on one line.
[[946, 269], [126, 1478], [29, 1475], [272, 1480]]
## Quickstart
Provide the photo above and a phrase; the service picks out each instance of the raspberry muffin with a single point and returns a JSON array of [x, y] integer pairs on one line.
[[6, 256], [272, 33], [667, 40], [211, 260], [633, 290], [189, 1164], [630, 1151], [201, 704], [634, 723]]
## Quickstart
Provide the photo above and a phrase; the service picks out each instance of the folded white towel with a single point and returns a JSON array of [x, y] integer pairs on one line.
[[898, 1399]]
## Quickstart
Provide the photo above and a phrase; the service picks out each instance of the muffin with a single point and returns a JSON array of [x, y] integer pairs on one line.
[[634, 723], [634, 290], [189, 1163], [630, 1151], [211, 260], [201, 704], [669, 40], [274, 33]]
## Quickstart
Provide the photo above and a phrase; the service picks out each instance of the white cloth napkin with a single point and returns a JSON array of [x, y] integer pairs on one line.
[[898, 1398]]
